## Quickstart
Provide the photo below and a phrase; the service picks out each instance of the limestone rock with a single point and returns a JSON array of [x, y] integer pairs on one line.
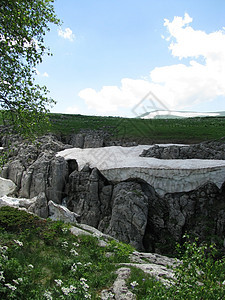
[[129, 214], [7, 186], [40, 206], [16, 202], [57, 178], [166, 176], [205, 150], [59, 212], [84, 190], [119, 291]]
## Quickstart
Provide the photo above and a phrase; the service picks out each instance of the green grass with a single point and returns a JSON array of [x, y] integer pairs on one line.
[[189, 130], [41, 252], [140, 130], [41, 259]]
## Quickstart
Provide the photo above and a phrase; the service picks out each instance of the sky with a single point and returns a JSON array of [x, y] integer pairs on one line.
[[110, 56]]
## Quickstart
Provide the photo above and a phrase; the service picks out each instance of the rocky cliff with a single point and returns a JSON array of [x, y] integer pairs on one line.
[[150, 205]]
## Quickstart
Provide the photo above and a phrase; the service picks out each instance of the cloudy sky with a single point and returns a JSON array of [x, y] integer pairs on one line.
[[109, 54]]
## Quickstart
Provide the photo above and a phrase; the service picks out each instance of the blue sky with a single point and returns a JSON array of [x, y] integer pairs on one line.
[[107, 55]]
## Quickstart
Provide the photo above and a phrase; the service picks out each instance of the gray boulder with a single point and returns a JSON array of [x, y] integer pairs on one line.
[[84, 191], [58, 212], [129, 214], [40, 206]]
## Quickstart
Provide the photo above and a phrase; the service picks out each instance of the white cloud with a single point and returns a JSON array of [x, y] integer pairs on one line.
[[45, 74], [72, 110], [178, 86], [66, 34]]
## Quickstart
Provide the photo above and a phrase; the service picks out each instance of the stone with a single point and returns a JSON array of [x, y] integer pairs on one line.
[[57, 177], [7, 186], [129, 214], [119, 290], [118, 164], [16, 202], [84, 188], [40, 206], [58, 212], [205, 150]]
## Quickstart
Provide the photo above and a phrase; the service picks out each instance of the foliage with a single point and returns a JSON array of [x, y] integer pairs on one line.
[[43, 260], [121, 252], [190, 130], [23, 24], [199, 276]]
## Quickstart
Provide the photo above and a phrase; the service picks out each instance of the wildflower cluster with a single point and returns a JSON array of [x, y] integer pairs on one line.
[[78, 290], [76, 287], [8, 284], [20, 244]]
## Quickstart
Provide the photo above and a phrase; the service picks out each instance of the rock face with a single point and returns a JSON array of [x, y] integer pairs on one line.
[[7, 187], [206, 150], [166, 176], [150, 205], [129, 214], [35, 169]]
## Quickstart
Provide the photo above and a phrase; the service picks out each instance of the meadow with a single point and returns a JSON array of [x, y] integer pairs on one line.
[[40, 259], [190, 130]]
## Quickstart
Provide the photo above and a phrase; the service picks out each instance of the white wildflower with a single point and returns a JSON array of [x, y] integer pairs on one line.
[[83, 283], [73, 289], [65, 244], [15, 281], [87, 296], [3, 249], [64, 230], [74, 252], [48, 295], [134, 284], [2, 278], [73, 268], [30, 266], [58, 282], [11, 287], [65, 290], [83, 279], [76, 244], [18, 243]]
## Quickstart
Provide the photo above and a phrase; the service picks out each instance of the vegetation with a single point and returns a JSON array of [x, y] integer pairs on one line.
[[200, 276], [23, 24], [41, 259], [188, 130]]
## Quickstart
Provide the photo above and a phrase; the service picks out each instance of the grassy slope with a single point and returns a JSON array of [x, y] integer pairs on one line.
[[41, 259], [188, 130]]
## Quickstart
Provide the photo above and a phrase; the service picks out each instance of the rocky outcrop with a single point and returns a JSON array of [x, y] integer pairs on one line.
[[205, 150], [7, 186], [34, 168], [60, 213], [39, 206], [129, 214], [199, 213], [166, 176], [150, 205], [87, 138], [119, 290]]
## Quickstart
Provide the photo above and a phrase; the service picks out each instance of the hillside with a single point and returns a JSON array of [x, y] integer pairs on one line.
[[41, 259], [143, 131]]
